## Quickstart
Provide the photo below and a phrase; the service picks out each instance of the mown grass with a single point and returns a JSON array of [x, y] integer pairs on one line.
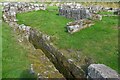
[[98, 41], [15, 62]]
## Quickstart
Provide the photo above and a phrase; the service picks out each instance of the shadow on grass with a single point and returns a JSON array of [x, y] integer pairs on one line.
[[25, 75], [57, 14], [65, 29]]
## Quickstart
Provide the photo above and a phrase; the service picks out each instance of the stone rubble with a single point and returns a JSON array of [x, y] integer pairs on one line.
[[95, 8], [78, 25]]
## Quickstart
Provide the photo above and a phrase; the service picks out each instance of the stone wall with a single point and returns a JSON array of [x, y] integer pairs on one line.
[[77, 11]]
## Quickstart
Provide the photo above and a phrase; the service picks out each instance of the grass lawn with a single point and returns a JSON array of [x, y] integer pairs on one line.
[[99, 41], [0, 50], [15, 63], [0, 42]]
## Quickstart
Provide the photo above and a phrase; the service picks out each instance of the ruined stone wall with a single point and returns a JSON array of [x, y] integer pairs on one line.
[[77, 11], [74, 13]]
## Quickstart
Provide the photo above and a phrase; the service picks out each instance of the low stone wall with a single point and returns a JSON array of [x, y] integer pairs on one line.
[[78, 25]]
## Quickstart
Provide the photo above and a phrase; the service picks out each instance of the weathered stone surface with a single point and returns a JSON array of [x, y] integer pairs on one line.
[[102, 72], [78, 25], [80, 13], [77, 11]]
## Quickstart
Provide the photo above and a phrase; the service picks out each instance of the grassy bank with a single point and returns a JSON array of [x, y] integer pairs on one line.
[[17, 58], [0, 42], [15, 62]]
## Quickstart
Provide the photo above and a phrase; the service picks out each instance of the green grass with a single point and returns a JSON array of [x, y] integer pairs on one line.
[[98, 41], [0, 12], [15, 62], [17, 58], [105, 13], [0, 50], [0, 42], [52, 8]]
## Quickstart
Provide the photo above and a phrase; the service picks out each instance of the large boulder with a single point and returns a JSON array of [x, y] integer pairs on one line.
[[102, 72]]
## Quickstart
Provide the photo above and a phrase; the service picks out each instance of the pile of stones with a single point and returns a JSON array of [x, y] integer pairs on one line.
[[115, 11], [78, 25], [95, 8]]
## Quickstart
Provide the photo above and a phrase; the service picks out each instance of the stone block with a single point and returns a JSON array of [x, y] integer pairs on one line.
[[102, 72]]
